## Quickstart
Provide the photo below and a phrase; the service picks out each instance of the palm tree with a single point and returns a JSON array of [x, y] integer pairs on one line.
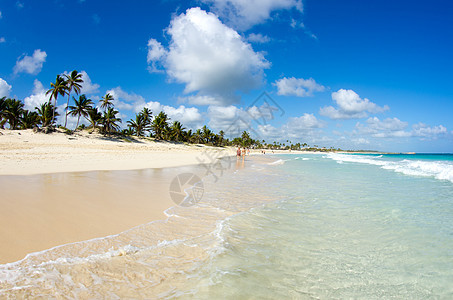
[[139, 126], [160, 125], [29, 119], [13, 112], [57, 88], [197, 137], [147, 113], [80, 108], [106, 102], [109, 120], [177, 131], [45, 114], [2, 112], [94, 117], [73, 82], [207, 134]]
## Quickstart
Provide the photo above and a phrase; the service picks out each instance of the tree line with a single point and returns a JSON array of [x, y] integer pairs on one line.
[[104, 119]]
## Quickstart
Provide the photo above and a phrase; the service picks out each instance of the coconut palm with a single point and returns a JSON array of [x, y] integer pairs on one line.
[[29, 119], [197, 137], [45, 114], [80, 108], [2, 112], [57, 88], [94, 117], [177, 131], [73, 82], [147, 113], [109, 120], [140, 125], [106, 102], [206, 134], [160, 125], [13, 112]]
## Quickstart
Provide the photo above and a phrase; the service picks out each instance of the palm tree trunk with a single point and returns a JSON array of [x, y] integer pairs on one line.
[[66, 111], [77, 126], [53, 112]]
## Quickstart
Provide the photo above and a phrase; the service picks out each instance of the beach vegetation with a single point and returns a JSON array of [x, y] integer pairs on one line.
[[107, 102], [58, 87], [80, 108], [73, 83], [110, 120]]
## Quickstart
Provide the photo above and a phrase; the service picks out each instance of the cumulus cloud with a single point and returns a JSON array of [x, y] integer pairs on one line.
[[390, 127], [190, 117], [395, 128], [425, 131], [258, 38], [88, 87], [243, 14], [31, 64], [2, 40], [208, 57], [231, 119], [306, 127], [125, 101], [350, 106], [37, 98], [297, 87], [5, 88]]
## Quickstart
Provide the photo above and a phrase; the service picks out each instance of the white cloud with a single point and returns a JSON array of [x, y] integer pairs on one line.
[[1, 16], [395, 128], [243, 14], [350, 106], [125, 101], [5, 88], [37, 98], [425, 131], [31, 64], [258, 38], [156, 53], [209, 57], [298, 87], [88, 87], [2, 40], [390, 127], [304, 128], [19, 5], [190, 117]]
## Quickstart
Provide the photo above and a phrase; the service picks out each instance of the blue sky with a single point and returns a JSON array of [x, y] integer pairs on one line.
[[349, 74]]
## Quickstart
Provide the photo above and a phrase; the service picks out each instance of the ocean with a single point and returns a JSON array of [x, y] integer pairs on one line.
[[297, 226]]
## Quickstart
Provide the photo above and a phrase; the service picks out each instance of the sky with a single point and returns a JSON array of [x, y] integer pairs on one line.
[[373, 75]]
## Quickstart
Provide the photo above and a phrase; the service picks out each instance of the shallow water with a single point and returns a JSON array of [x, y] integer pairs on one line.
[[304, 226]]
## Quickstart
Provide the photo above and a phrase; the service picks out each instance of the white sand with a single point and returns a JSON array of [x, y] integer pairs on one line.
[[23, 152], [44, 209]]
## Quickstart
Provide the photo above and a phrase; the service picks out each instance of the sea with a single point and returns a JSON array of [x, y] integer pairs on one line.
[[292, 226]]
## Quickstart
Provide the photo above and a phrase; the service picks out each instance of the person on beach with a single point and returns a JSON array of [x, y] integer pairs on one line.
[[243, 153], [238, 152]]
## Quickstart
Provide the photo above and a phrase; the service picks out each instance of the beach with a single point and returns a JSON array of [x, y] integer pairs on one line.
[[299, 225], [56, 188], [24, 152]]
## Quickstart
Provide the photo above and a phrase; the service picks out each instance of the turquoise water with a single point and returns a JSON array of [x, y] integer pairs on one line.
[[312, 226], [342, 226]]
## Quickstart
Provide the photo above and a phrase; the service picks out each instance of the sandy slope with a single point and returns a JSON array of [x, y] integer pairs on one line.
[[23, 152]]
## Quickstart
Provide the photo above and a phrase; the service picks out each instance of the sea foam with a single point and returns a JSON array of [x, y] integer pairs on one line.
[[442, 170]]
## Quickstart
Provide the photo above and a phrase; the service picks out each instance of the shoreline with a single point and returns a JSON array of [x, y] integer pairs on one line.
[[24, 152]]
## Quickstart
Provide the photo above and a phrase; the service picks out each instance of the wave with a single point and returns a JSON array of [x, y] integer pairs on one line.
[[440, 170], [277, 162]]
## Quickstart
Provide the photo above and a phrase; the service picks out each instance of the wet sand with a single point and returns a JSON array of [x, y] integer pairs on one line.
[[43, 211]]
